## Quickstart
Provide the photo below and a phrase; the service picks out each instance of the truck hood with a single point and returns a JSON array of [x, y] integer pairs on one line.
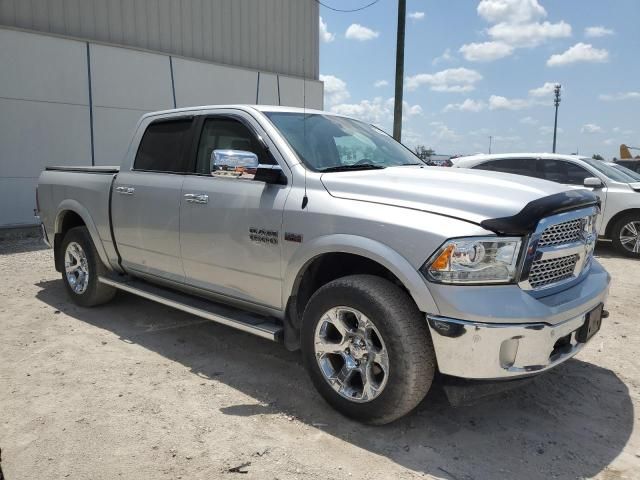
[[471, 195]]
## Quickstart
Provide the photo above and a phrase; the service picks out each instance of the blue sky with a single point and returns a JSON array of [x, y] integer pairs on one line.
[[480, 68]]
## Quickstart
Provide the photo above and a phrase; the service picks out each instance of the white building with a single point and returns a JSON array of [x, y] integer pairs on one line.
[[76, 75]]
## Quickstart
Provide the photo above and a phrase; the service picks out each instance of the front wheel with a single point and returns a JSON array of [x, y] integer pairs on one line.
[[625, 235], [367, 348], [82, 267]]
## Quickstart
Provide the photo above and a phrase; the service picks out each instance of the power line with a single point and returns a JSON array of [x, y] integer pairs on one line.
[[347, 11]]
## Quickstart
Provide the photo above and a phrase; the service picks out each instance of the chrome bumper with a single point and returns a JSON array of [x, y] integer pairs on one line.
[[493, 350]]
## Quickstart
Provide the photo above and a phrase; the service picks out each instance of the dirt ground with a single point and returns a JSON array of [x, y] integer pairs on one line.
[[137, 390]]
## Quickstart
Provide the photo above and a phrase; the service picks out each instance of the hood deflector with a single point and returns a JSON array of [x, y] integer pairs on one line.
[[526, 220]]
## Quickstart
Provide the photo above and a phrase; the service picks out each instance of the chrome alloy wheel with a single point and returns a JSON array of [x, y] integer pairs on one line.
[[351, 354], [76, 268], [630, 236]]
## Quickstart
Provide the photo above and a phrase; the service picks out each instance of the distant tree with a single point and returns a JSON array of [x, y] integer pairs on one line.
[[422, 152], [597, 157]]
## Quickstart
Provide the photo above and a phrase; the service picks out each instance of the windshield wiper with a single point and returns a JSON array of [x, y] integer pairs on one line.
[[346, 168]]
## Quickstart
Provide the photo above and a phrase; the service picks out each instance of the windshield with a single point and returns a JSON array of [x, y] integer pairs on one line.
[[626, 171], [331, 143], [612, 172]]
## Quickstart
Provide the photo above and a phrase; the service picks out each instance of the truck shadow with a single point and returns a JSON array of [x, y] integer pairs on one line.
[[569, 423]]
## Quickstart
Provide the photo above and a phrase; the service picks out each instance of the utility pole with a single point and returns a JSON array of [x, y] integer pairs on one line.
[[556, 102], [490, 139], [397, 106]]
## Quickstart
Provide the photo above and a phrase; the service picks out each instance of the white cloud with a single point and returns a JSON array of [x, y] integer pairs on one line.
[[378, 111], [530, 34], [591, 128], [514, 11], [580, 52], [610, 97], [381, 83], [416, 15], [599, 31], [497, 102], [529, 121], [486, 51], [468, 105], [545, 90], [325, 35], [360, 33], [547, 130], [335, 90], [445, 57], [442, 132], [518, 23], [449, 80], [609, 141]]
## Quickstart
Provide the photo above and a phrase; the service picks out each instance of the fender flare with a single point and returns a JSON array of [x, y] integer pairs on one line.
[[74, 206], [364, 247]]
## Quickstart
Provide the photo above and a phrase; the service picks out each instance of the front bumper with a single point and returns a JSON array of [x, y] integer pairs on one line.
[[480, 349]]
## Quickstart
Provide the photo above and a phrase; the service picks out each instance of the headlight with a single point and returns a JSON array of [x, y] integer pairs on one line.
[[474, 260]]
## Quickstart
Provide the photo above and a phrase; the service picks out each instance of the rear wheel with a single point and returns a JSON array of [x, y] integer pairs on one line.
[[82, 267], [625, 235], [367, 348]]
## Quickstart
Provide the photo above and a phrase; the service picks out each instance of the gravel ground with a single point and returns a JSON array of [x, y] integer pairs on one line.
[[136, 390]]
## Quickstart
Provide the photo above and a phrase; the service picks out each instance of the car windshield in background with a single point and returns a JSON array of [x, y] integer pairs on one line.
[[328, 143], [626, 171], [612, 172]]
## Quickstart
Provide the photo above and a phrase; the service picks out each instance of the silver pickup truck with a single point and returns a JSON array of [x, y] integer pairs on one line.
[[321, 231]]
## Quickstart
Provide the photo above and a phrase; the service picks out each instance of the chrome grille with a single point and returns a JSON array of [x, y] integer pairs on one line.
[[560, 250], [561, 233], [546, 272]]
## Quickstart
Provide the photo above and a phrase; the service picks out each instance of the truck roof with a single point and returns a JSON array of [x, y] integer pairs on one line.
[[245, 107]]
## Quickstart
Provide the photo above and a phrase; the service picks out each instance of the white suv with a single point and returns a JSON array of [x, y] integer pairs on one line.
[[618, 190]]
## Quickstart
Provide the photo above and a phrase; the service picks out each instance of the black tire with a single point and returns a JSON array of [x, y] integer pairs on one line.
[[404, 331], [96, 293], [617, 230]]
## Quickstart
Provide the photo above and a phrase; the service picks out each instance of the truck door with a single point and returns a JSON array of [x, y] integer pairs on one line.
[[230, 225], [146, 201]]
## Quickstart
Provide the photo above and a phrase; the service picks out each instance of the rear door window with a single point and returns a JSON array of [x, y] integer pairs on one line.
[[163, 145]]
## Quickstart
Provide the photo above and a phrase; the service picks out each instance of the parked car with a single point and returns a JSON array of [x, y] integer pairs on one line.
[[380, 269], [618, 190]]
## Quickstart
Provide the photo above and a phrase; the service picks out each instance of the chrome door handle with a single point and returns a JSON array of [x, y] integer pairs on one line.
[[196, 198], [125, 190]]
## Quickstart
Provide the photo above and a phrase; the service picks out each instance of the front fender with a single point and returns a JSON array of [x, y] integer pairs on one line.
[[70, 205], [365, 247]]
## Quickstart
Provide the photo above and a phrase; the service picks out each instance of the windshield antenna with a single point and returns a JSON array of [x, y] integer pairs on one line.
[[305, 199]]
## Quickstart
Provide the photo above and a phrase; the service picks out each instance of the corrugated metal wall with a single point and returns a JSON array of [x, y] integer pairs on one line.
[[71, 102], [270, 35]]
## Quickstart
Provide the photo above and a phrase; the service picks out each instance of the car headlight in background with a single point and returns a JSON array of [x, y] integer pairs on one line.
[[475, 260]]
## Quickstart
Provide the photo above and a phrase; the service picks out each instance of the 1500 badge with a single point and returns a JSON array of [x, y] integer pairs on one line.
[[259, 235]]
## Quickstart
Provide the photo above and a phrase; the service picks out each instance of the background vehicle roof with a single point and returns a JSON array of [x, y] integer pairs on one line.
[[475, 159]]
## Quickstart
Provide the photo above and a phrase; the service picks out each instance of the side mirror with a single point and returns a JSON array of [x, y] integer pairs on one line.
[[593, 182], [244, 165], [234, 164]]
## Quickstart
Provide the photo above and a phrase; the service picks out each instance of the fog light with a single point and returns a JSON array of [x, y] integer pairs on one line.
[[508, 352]]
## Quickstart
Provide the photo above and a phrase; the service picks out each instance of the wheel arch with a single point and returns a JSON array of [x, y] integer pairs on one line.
[[330, 257], [72, 214], [613, 220]]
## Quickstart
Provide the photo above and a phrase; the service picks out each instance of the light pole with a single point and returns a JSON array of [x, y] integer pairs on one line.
[[397, 106], [490, 139], [556, 102]]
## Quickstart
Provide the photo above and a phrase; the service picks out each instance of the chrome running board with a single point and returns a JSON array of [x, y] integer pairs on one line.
[[261, 326]]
